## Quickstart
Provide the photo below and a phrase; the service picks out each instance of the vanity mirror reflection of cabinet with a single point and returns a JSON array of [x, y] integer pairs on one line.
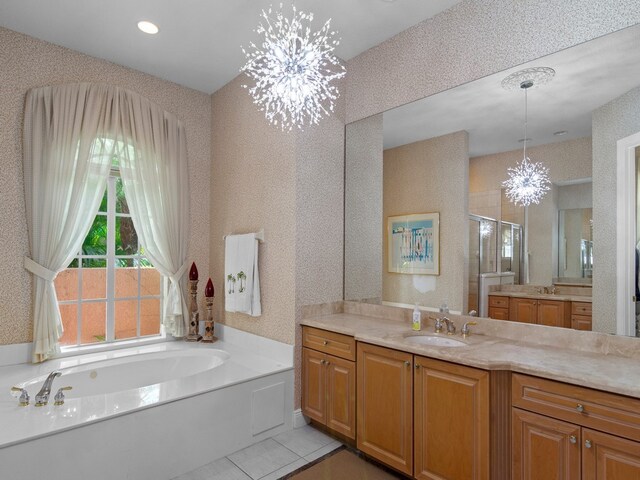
[[393, 158]]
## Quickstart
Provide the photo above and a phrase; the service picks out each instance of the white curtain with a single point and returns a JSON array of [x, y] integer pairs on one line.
[[71, 134], [65, 172], [153, 166]]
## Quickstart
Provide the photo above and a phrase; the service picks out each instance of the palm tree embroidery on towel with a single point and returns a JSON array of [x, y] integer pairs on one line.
[[232, 283], [242, 277]]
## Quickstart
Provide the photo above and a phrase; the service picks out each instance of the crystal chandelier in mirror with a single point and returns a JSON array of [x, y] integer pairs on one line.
[[528, 181], [294, 69]]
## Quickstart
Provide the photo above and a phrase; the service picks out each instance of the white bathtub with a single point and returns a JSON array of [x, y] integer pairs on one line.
[[152, 412]]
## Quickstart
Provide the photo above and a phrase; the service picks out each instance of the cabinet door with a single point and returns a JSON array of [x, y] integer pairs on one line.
[[523, 310], [554, 313], [341, 398], [451, 421], [314, 385], [544, 448], [385, 406], [498, 313], [606, 457]]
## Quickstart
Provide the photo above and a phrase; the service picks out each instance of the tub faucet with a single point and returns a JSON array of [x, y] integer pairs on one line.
[[42, 397]]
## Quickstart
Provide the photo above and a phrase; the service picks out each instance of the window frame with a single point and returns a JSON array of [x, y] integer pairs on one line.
[[110, 299]]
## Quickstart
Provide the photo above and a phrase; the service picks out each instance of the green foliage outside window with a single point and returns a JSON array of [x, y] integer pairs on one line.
[[95, 243]]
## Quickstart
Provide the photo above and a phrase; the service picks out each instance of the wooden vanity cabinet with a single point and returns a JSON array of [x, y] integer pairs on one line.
[[451, 421], [552, 313], [329, 381], [562, 431], [498, 307], [544, 448], [523, 310], [385, 406], [581, 316], [423, 417]]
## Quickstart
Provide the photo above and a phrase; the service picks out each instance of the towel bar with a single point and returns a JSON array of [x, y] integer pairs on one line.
[[259, 235]]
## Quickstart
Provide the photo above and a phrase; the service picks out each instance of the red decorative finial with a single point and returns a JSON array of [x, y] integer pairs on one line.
[[193, 273], [208, 291]]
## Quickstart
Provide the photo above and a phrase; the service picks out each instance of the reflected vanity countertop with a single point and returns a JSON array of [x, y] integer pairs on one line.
[[595, 360], [544, 296]]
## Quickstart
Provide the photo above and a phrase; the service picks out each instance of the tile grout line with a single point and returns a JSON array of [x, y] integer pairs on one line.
[[239, 467]]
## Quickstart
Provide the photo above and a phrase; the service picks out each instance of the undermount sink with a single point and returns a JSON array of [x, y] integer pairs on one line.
[[435, 341]]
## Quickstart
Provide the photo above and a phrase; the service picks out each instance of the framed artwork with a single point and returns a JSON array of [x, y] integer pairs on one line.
[[414, 243]]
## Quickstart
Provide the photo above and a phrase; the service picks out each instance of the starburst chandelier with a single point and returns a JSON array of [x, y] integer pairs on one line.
[[528, 181], [293, 69]]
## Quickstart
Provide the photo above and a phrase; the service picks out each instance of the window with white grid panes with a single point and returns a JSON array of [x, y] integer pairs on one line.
[[110, 291]]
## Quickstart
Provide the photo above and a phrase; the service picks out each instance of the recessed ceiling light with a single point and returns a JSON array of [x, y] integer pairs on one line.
[[148, 27], [560, 133]]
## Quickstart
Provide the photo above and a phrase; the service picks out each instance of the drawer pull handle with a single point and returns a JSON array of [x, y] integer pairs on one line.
[[325, 342], [580, 408], [573, 439], [407, 363], [587, 443]]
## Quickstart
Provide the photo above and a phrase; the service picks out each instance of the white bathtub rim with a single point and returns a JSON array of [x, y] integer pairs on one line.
[[27, 423]]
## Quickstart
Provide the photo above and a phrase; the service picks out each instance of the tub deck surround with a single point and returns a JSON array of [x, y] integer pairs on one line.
[[150, 376], [594, 360]]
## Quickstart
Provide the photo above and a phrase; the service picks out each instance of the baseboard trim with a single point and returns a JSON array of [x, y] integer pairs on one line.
[[299, 420]]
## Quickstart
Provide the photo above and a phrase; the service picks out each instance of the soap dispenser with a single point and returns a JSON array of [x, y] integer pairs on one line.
[[417, 319]]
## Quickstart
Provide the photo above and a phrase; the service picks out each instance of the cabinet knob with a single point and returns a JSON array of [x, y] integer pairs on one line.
[[580, 408], [407, 363], [327, 363], [326, 342], [587, 443], [417, 366], [573, 439]]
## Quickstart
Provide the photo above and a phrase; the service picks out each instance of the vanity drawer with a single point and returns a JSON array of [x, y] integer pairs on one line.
[[580, 308], [342, 346], [581, 322], [497, 301], [604, 411]]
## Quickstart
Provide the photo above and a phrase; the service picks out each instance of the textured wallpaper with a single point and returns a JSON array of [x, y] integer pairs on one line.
[[363, 210], [473, 39], [611, 122], [423, 177], [27, 62], [569, 160], [253, 187], [290, 184]]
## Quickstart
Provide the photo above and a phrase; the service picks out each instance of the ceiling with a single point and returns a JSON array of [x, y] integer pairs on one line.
[[199, 41], [587, 76]]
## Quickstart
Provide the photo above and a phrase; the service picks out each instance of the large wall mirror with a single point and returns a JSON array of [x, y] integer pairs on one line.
[[449, 154]]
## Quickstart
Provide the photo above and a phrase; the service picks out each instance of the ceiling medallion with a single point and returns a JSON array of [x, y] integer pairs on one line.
[[293, 69], [528, 181]]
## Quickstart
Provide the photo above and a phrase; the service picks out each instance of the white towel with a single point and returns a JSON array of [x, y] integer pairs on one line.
[[242, 282]]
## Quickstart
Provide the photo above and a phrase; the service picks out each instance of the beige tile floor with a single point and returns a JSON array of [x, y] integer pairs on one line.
[[270, 459]]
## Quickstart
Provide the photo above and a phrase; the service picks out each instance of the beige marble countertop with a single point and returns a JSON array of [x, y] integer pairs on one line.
[[544, 296], [598, 361]]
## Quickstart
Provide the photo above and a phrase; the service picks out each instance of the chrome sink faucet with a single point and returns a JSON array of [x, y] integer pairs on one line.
[[42, 397], [440, 322]]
